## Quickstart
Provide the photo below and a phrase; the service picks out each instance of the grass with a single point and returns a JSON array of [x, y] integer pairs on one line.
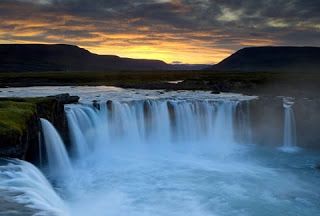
[[16, 112], [14, 115]]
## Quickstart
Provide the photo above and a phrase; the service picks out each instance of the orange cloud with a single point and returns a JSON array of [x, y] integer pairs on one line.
[[199, 31], [169, 47], [145, 42], [258, 42]]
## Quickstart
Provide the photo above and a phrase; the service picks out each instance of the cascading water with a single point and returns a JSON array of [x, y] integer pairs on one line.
[[156, 123], [87, 128], [158, 156], [24, 188], [289, 133], [142, 152], [58, 160], [243, 124]]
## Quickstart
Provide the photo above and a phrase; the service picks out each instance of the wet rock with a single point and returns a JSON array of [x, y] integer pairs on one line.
[[24, 143], [267, 121], [109, 105], [96, 104], [172, 113], [215, 92], [65, 98], [15, 144], [146, 109]]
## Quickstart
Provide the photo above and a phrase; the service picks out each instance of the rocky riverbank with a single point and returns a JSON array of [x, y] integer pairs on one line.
[[252, 83]]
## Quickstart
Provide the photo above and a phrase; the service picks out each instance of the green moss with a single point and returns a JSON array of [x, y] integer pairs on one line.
[[16, 112], [14, 116]]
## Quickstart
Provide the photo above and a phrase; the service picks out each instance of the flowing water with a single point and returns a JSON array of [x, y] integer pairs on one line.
[[169, 154], [59, 164], [289, 133], [26, 191]]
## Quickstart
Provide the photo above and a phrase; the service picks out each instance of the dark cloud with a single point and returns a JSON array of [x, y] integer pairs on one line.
[[217, 25]]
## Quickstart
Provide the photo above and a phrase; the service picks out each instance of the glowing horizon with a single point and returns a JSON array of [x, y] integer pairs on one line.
[[193, 32]]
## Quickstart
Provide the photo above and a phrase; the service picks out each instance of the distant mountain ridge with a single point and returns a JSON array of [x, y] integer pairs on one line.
[[63, 57], [272, 59]]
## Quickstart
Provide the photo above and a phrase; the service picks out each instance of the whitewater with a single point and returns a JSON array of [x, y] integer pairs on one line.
[[149, 152]]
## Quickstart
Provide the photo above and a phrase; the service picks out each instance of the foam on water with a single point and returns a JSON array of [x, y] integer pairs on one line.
[[155, 124], [103, 93], [23, 183], [167, 153], [180, 157], [178, 183], [59, 164]]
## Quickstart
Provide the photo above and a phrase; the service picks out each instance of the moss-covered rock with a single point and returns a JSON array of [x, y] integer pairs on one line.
[[19, 123], [17, 120], [14, 115]]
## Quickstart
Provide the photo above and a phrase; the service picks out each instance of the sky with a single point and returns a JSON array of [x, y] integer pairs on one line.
[[175, 31]]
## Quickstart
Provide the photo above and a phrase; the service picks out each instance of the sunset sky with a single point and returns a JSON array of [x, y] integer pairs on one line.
[[181, 31]]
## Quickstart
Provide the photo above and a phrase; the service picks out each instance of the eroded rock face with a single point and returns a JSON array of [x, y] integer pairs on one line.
[[53, 111], [266, 116], [25, 145], [15, 145], [267, 121], [308, 122]]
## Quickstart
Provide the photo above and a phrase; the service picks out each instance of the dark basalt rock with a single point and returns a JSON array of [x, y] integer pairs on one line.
[[96, 104], [65, 98], [267, 121], [53, 110], [24, 144], [16, 145], [266, 115], [109, 105], [215, 92], [172, 114]]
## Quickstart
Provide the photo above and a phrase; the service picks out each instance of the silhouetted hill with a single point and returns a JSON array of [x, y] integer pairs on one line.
[[60, 57], [269, 59]]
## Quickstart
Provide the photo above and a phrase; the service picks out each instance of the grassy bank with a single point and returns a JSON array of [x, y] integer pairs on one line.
[[16, 112], [14, 115], [19, 122]]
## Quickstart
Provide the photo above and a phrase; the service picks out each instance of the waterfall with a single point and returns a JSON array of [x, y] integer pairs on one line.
[[87, 127], [164, 123], [25, 187], [244, 128], [289, 133], [76, 133], [58, 159]]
